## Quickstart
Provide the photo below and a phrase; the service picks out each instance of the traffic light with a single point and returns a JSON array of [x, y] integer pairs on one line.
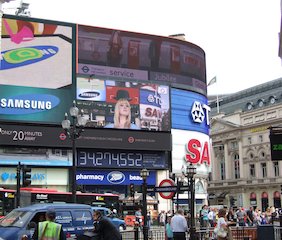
[[232, 201], [26, 176], [131, 189]]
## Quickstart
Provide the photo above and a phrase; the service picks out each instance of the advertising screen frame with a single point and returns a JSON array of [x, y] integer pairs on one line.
[[29, 93]]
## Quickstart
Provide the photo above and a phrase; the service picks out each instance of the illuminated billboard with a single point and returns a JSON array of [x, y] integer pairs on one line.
[[161, 59], [36, 69], [124, 105], [189, 111], [190, 147]]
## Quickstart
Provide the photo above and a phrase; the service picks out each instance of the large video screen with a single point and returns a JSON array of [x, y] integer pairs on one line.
[[162, 59], [36, 69], [124, 105]]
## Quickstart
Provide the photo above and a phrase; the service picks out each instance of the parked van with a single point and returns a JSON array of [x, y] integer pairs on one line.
[[75, 219], [118, 223]]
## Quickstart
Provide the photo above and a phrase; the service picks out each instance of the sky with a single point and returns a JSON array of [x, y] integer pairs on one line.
[[239, 37]]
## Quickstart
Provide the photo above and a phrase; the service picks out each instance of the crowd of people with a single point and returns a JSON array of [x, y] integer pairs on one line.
[[208, 216], [177, 224]]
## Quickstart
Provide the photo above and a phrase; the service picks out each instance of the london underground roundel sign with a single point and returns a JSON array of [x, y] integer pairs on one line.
[[167, 183]]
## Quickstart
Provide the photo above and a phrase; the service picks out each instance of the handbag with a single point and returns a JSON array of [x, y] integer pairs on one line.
[[222, 232]]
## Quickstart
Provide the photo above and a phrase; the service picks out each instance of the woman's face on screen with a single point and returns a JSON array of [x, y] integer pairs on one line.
[[124, 108]]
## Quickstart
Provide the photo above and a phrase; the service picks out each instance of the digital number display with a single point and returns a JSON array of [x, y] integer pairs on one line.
[[121, 159]]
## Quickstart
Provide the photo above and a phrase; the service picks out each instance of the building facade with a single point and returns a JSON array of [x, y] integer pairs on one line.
[[47, 64], [244, 173]]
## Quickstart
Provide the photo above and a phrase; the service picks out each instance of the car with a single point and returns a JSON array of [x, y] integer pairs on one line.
[[118, 223], [21, 222]]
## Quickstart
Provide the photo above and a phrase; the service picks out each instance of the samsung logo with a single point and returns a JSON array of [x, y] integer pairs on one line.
[[28, 55], [116, 177], [29, 103], [89, 94]]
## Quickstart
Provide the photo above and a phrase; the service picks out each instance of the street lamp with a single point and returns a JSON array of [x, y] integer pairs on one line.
[[144, 174], [190, 173], [73, 131]]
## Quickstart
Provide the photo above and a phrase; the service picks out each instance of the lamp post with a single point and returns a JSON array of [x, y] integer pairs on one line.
[[144, 174], [190, 173], [179, 184], [73, 131]]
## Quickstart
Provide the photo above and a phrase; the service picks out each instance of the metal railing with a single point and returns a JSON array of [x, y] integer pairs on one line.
[[238, 233]]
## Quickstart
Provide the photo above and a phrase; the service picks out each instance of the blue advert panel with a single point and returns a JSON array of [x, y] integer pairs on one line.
[[189, 111], [103, 177], [117, 159]]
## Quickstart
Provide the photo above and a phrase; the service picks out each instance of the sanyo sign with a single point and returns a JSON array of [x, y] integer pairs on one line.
[[200, 113]]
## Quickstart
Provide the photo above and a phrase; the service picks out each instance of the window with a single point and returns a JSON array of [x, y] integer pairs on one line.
[[260, 102], [251, 155], [83, 217], [262, 155], [222, 170], [249, 140], [260, 138], [236, 166], [234, 145], [221, 147], [272, 99], [64, 218], [249, 105], [276, 169], [252, 170], [263, 170]]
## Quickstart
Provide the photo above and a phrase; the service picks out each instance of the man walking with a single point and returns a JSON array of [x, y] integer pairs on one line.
[[179, 225]]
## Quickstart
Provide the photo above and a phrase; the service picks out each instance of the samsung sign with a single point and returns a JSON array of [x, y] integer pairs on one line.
[[113, 177], [189, 111], [27, 104]]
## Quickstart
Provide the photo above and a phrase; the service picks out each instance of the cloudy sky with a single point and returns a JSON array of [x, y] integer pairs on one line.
[[239, 37]]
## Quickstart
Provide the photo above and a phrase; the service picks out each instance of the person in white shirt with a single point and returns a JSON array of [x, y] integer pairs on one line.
[[179, 225]]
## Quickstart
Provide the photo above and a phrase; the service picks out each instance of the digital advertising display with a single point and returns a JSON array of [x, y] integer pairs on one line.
[[36, 69], [189, 111], [124, 105], [276, 146], [191, 147], [166, 60], [121, 159]]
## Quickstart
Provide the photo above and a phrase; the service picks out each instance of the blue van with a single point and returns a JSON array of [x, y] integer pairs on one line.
[[21, 222]]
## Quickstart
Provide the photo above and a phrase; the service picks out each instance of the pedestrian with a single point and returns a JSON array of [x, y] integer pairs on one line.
[[250, 216], [179, 225], [162, 218], [104, 228], [241, 217], [49, 229], [222, 226], [168, 231], [138, 217]]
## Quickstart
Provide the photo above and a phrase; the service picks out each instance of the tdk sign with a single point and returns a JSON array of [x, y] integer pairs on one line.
[[189, 111], [200, 113]]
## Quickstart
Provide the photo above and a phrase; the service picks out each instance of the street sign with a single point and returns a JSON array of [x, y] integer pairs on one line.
[[167, 188]]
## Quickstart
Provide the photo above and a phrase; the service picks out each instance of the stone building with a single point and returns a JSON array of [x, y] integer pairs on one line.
[[243, 172]]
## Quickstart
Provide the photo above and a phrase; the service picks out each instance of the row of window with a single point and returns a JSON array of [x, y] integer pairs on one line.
[[252, 169], [234, 144], [261, 102]]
